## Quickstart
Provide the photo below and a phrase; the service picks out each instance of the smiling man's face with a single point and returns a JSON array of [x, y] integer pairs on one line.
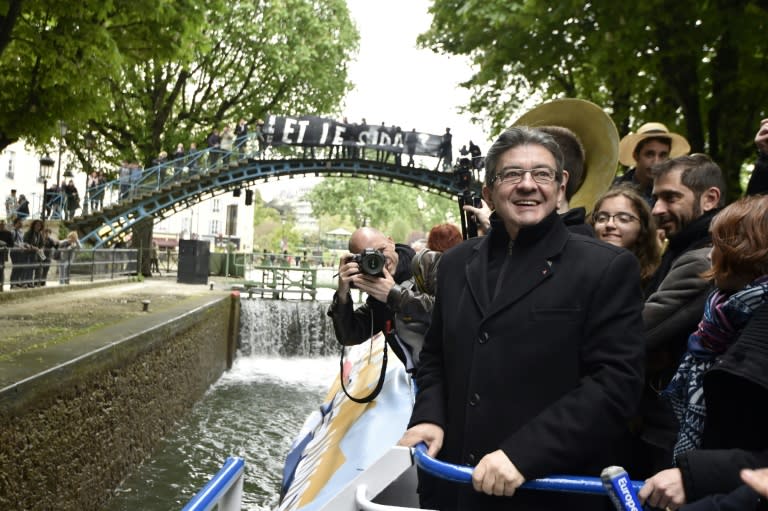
[[525, 203]]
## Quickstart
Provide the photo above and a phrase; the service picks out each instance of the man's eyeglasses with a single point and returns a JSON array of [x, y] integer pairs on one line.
[[513, 176], [620, 218]]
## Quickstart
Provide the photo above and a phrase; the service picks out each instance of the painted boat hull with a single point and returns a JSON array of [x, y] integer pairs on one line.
[[344, 438]]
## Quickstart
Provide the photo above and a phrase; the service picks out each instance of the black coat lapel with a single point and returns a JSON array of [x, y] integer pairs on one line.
[[528, 267], [476, 273]]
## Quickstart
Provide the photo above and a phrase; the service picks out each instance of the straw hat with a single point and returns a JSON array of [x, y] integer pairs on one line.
[[597, 133], [627, 145]]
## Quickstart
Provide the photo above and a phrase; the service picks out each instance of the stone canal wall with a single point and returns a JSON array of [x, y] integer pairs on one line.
[[70, 435]]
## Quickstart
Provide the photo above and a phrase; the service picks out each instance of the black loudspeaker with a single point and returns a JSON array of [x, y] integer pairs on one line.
[[248, 197], [194, 260], [236, 192]]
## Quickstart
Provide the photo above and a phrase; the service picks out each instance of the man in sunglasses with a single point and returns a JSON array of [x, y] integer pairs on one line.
[[532, 364]]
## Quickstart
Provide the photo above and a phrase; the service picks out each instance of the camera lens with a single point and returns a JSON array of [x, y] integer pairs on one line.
[[372, 263]]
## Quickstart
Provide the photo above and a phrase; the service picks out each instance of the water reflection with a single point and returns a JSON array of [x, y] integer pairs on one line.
[[253, 411]]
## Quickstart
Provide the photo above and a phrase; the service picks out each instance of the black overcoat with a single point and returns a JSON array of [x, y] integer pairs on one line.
[[549, 370]]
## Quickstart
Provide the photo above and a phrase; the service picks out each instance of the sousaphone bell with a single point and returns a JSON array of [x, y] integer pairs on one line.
[[598, 135]]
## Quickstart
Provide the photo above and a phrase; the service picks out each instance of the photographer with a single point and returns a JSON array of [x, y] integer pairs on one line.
[[377, 314]]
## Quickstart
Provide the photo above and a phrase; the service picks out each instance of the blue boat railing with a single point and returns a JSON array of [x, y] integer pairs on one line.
[[224, 491], [609, 484]]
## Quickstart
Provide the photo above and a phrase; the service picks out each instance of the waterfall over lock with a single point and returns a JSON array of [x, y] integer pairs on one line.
[[286, 328]]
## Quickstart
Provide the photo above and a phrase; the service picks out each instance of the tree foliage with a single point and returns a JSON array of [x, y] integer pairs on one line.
[[395, 209], [274, 226], [57, 58], [144, 75], [699, 67], [255, 58]]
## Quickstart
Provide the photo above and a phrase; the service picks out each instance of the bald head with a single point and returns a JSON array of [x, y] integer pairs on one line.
[[368, 237]]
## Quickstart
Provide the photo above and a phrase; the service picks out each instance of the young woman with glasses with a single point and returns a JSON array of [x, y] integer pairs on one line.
[[621, 217]]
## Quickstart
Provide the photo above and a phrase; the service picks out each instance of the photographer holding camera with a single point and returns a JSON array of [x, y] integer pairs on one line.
[[377, 266]]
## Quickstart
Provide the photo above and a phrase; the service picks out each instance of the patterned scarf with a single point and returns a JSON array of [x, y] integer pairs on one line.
[[725, 316]]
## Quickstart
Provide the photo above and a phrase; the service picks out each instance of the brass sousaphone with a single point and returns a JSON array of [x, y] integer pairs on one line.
[[598, 135]]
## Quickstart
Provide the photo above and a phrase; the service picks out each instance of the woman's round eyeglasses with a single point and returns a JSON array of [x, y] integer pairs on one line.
[[620, 218]]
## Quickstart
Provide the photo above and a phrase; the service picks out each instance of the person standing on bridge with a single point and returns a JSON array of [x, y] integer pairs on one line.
[[241, 136], [124, 178], [411, 139], [179, 160], [192, 158], [445, 152], [73, 199], [227, 143], [11, 202], [214, 142]]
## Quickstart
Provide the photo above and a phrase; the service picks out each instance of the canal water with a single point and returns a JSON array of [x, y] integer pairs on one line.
[[287, 362]]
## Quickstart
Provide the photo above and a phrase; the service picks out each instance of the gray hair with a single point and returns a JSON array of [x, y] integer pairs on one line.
[[517, 136]]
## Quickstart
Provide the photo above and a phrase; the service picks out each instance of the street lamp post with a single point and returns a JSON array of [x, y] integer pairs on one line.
[[90, 142], [63, 129], [46, 169]]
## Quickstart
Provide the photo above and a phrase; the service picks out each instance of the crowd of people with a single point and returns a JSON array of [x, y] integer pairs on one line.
[[64, 201], [565, 339], [32, 252]]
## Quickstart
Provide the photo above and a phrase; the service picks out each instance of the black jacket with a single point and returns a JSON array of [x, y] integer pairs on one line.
[[736, 425], [536, 350], [7, 238], [575, 220], [741, 499]]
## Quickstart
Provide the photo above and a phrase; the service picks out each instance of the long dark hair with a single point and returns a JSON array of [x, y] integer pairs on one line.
[[647, 248]]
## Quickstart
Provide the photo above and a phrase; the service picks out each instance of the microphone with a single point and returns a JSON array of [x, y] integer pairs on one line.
[[619, 488]]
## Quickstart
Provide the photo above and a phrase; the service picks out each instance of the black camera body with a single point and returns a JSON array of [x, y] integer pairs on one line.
[[371, 262]]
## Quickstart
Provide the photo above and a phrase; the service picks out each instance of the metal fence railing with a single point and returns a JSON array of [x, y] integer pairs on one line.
[[29, 268]]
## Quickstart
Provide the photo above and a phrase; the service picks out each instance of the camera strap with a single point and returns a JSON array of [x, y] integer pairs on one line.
[[379, 385]]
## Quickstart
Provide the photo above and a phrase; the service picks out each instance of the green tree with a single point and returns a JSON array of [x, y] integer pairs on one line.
[[252, 59], [393, 208], [273, 226], [58, 59], [697, 66], [143, 76]]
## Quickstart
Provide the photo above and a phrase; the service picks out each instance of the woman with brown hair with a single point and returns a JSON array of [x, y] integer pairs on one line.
[[622, 217], [721, 386], [443, 236]]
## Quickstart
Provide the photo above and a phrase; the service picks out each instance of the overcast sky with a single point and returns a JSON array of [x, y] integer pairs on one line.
[[399, 84], [396, 83]]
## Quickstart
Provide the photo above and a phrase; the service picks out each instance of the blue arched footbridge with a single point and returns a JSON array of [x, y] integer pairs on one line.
[[170, 187]]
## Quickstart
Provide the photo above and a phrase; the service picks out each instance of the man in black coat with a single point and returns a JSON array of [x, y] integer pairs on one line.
[[533, 361], [355, 326]]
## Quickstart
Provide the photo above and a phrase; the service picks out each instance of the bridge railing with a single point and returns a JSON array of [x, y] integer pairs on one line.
[[153, 178], [164, 174]]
